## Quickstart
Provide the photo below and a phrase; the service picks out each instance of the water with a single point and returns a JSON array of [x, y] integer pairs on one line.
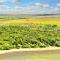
[[40, 55]]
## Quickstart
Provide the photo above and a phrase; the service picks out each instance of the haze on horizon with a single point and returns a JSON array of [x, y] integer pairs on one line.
[[29, 6]]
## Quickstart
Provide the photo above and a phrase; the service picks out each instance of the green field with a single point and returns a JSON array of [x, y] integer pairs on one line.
[[30, 21], [31, 32]]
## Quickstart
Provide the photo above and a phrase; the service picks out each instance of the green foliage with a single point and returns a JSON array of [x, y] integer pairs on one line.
[[29, 36]]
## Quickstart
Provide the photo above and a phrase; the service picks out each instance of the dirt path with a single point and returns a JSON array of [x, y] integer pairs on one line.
[[29, 49]]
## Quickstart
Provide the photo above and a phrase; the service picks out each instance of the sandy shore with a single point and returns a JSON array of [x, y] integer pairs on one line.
[[29, 49]]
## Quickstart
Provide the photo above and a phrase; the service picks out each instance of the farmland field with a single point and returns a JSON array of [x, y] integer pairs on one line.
[[31, 32], [30, 20]]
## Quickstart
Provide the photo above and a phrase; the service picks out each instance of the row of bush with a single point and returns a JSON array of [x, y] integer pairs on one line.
[[29, 36]]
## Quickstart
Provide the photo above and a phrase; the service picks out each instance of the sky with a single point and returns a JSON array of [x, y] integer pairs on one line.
[[29, 6]]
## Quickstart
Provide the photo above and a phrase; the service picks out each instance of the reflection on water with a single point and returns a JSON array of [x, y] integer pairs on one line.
[[40, 55]]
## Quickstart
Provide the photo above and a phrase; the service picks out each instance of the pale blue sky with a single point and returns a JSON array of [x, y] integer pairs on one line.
[[29, 6]]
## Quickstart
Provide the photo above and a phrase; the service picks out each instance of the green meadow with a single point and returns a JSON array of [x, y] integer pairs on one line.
[[31, 32]]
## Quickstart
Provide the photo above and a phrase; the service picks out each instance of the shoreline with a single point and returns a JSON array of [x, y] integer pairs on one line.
[[29, 50]]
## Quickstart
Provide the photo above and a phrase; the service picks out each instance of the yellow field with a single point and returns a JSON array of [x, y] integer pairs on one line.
[[32, 20]]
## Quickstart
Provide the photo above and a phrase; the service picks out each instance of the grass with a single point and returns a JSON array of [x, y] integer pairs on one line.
[[35, 34], [32, 20]]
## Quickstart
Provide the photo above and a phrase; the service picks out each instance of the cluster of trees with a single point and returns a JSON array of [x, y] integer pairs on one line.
[[29, 36]]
